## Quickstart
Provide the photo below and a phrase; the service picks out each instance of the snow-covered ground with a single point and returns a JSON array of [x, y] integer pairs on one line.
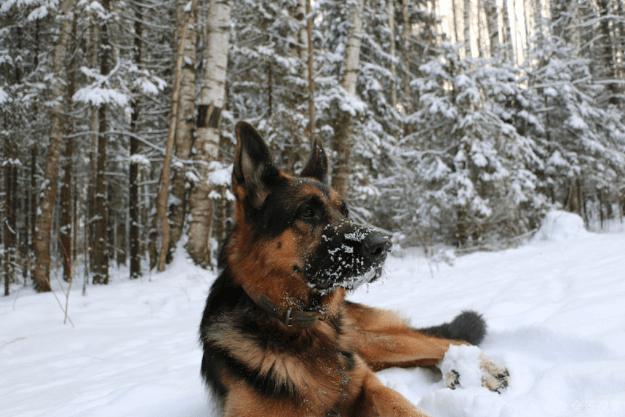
[[555, 309]]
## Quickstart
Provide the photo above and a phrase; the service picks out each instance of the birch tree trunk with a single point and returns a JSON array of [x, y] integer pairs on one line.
[[310, 73], [492, 18], [391, 27], [185, 126], [342, 140], [161, 200], [306, 52], [207, 142], [406, 32], [51, 173]]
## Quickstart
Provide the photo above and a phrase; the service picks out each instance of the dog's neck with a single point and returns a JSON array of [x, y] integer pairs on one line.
[[290, 317]]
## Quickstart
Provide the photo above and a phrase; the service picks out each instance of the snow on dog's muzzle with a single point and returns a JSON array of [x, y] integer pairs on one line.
[[347, 258]]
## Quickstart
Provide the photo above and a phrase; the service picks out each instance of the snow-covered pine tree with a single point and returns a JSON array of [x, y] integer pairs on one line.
[[135, 81], [149, 52], [383, 76], [268, 82], [466, 166], [580, 141]]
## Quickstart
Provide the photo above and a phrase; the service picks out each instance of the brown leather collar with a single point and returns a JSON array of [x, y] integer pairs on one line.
[[290, 317]]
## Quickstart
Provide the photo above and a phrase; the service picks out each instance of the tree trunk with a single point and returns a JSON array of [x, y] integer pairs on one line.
[[66, 226], [342, 138], [134, 210], [24, 232], [51, 175], [15, 172], [100, 257], [492, 24], [9, 224], [66, 232], [93, 127], [307, 55], [209, 116], [161, 201], [185, 126], [310, 73], [391, 26], [406, 35], [121, 237], [607, 50], [134, 213], [100, 266], [33, 206]]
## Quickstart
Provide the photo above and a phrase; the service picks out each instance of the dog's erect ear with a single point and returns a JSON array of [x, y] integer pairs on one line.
[[253, 169], [317, 165]]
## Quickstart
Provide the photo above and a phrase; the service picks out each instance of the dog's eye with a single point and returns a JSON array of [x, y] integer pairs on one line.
[[307, 213]]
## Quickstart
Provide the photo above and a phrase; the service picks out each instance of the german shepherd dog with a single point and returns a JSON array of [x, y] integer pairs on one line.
[[279, 337]]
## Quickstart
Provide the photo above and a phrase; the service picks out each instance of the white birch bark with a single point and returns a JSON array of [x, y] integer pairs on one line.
[[342, 140], [406, 33], [352, 51], [391, 25], [300, 14], [212, 97], [306, 56]]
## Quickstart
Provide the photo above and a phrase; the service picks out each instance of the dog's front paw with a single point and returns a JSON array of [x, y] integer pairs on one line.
[[467, 366], [494, 376]]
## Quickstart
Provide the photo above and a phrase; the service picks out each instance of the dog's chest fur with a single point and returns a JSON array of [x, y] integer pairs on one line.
[[314, 368]]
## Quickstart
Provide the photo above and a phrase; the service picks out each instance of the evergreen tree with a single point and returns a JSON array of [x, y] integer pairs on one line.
[[466, 164]]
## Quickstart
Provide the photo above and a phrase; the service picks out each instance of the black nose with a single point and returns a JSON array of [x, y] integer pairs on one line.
[[376, 246]]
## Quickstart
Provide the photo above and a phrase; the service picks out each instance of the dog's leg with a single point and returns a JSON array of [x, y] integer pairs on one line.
[[402, 348], [244, 401], [384, 340], [376, 400]]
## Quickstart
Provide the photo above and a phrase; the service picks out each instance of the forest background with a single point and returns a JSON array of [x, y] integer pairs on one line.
[[455, 122]]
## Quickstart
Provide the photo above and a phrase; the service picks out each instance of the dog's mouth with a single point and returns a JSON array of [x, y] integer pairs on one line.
[[325, 283]]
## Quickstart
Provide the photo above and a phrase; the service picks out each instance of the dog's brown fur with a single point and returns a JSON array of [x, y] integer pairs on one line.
[[293, 247]]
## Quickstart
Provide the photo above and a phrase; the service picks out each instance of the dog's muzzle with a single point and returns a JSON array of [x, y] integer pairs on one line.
[[348, 260]]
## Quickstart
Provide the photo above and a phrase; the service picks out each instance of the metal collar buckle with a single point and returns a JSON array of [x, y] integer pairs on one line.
[[288, 318]]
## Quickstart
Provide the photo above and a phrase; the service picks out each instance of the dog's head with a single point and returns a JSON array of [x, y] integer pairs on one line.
[[295, 230]]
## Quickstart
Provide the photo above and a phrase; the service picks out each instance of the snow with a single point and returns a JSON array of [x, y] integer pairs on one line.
[[139, 159], [38, 14], [4, 97], [577, 122], [560, 226], [97, 96], [9, 4], [220, 174], [465, 360], [554, 307]]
